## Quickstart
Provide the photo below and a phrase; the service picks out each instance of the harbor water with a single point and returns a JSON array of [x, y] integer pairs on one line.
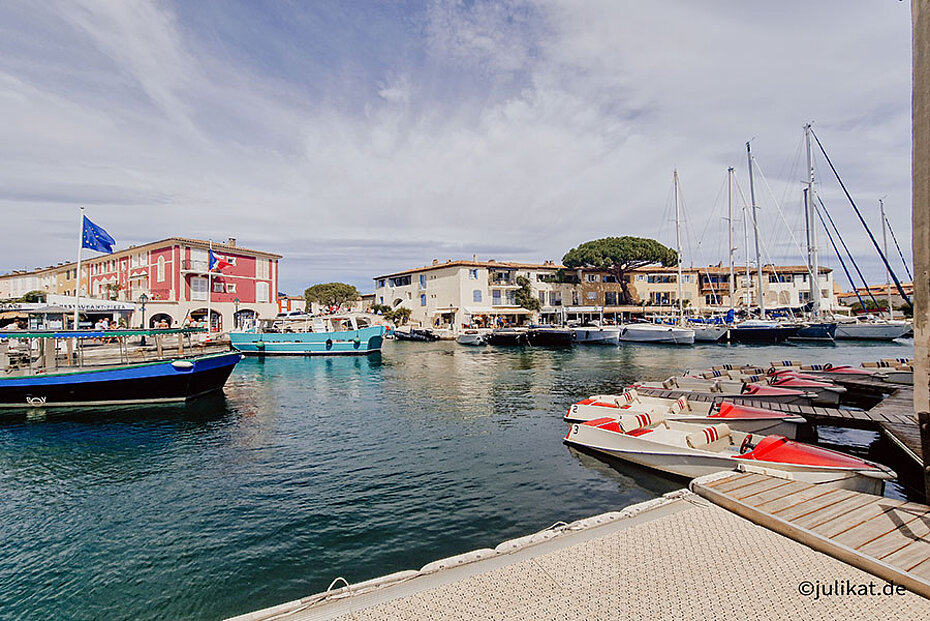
[[313, 468]]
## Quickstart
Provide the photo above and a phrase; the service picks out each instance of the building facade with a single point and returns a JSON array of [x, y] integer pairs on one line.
[[173, 274], [462, 293]]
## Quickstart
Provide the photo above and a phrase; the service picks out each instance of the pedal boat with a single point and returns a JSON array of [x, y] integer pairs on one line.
[[739, 391], [741, 417], [693, 449], [824, 391]]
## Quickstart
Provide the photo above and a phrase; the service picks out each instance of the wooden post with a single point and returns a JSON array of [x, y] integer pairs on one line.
[[920, 171], [180, 343], [158, 349]]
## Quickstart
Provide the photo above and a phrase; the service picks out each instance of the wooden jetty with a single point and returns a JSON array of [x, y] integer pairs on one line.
[[885, 537]]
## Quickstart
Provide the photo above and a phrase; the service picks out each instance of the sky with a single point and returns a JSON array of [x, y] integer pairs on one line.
[[359, 138]]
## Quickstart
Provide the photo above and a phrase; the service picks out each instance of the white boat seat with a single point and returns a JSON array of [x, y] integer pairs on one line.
[[629, 422], [670, 383], [722, 367], [627, 397], [681, 404], [786, 363], [712, 374], [710, 437]]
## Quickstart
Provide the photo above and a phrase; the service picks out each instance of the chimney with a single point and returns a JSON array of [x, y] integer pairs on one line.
[[435, 261], [231, 241], [474, 258]]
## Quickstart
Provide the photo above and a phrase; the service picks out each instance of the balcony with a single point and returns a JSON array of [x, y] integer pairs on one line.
[[195, 267]]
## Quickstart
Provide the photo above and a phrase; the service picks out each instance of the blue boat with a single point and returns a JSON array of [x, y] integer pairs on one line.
[[56, 374], [321, 336]]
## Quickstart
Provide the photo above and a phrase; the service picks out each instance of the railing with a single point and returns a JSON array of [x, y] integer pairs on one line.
[[194, 266]]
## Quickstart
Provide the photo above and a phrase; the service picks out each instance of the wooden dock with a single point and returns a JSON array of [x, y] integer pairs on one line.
[[885, 537]]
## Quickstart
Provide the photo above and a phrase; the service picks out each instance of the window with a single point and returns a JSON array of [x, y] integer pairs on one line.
[[381, 300], [422, 281], [542, 298], [610, 298], [476, 295], [400, 281], [609, 279], [262, 292], [198, 288], [640, 277], [713, 299], [219, 287], [555, 298], [592, 295], [496, 297], [231, 260], [591, 277], [512, 297], [160, 271], [423, 300], [574, 298], [473, 274], [261, 268], [381, 283], [687, 278], [662, 278], [804, 297], [780, 278]]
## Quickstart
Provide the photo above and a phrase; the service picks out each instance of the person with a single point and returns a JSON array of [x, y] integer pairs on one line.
[[162, 324]]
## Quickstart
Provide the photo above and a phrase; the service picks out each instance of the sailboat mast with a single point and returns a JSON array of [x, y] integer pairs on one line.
[[755, 227], [681, 302], [881, 206], [813, 263], [730, 231]]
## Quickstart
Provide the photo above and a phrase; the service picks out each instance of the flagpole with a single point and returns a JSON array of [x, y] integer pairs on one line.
[[210, 290], [78, 292]]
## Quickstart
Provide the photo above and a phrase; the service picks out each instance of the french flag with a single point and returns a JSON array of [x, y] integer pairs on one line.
[[218, 263]]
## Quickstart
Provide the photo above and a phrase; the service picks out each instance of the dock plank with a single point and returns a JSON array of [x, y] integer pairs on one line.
[[818, 503], [774, 494], [809, 493], [845, 511], [766, 484], [839, 524], [889, 521], [734, 477], [911, 555], [733, 483]]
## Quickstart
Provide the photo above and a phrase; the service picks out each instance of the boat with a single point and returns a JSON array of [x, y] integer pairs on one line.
[[738, 416], [695, 449], [824, 392], [655, 333], [348, 334], [762, 331], [548, 336], [416, 334], [473, 337], [816, 331], [593, 334], [877, 330], [507, 336], [68, 369], [708, 333], [752, 391]]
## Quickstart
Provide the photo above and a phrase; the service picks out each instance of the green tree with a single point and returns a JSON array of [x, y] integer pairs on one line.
[[399, 315], [33, 297], [620, 255], [330, 294], [524, 295]]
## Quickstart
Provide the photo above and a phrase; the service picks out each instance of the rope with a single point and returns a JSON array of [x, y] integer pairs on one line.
[[849, 254], [896, 245], [861, 219]]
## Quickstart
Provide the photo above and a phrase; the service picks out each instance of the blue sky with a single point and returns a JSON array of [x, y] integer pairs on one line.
[[359, 138]]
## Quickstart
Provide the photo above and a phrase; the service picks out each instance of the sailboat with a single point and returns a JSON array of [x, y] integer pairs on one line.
[[759, 330], [663, 333]]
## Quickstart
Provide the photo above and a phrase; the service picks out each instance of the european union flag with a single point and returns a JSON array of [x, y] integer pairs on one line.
[[95, 238]]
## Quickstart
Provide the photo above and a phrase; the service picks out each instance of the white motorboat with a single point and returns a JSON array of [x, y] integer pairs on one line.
[[473, 337], [740, 417], [872, 330], [694, 449], [709, 333], [655, 333], [596, 335]]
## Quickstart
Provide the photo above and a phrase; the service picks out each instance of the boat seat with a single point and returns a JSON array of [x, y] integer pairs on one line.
[[712, 374], [627, 397], [681, 404], [723, 367], [710, 437], [629, 422], [670, 383], [786, 363]]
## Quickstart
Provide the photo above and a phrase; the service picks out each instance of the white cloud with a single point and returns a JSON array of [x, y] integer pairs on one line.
[[524, 125]]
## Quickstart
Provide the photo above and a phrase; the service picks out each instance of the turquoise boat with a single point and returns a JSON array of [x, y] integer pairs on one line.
[[319, 336]]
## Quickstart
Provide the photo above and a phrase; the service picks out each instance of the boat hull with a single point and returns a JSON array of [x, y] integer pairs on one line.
[[507, 337], [764, 335], [151, 382], [871, 331], [472, 338], [351, 342], [816, 332], [709, 334], [656, 333], [596, 336], [549, 337]]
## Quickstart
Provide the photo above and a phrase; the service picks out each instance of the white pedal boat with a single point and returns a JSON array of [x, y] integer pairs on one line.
[[741, 417], [754, 391], [825, 392], [692, 450]]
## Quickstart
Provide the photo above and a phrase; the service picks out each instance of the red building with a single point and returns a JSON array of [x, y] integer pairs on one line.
[[174, 276]]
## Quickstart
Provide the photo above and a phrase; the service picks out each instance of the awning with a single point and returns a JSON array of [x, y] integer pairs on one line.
[[13, 315]]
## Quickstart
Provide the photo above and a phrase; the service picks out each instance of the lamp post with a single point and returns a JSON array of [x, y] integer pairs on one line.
[[236, 314], [143, 299]]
